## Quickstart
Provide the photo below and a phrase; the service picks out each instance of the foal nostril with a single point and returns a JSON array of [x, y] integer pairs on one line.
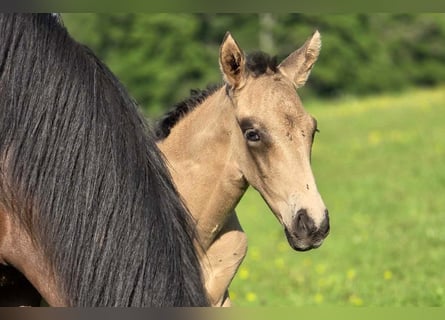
[[324, 227], [304, 225]]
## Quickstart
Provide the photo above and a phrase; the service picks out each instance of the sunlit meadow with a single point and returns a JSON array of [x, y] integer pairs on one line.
[[379, 163]]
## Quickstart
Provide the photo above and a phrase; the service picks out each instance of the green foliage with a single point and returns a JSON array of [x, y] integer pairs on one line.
[[160, 57], [153, 55], [371, 53], [378, 163]]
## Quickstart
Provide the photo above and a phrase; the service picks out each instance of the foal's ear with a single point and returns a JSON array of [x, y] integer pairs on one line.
[[298, 65], [231, 61]]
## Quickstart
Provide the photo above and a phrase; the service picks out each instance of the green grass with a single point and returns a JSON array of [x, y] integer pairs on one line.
[[379, 163]]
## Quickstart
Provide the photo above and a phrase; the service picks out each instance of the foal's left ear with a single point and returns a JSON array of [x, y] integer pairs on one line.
[[298, 65], [232, 61]]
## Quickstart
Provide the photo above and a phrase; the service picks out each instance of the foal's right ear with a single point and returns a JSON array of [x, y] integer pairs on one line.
[[232, 61]]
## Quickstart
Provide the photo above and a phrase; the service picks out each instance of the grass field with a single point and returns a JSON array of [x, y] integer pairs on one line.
[[380, 167]]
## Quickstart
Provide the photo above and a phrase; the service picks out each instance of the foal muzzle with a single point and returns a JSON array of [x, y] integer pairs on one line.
[[304, 235]]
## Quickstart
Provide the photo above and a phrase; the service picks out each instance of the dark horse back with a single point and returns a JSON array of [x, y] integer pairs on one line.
[[81, 172]]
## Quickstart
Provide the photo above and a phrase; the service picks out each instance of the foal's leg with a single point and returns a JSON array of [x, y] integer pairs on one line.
[[222, 260]]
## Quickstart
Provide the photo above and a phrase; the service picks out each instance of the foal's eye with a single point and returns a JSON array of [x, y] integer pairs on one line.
[[252, 135]]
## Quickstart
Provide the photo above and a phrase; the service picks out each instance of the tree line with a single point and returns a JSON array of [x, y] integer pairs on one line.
[[160, 57]]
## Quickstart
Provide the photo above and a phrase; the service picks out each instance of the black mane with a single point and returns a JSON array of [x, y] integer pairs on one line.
[[257, 63], [181, 109], [80, 171]]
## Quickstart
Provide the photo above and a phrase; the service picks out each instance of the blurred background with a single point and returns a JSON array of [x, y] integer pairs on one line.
[[378, 93]]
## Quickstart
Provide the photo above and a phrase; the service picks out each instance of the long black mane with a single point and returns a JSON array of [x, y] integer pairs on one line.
[[81, 172], [257, 64]]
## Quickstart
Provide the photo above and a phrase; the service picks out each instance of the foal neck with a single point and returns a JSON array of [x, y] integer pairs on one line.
[[201, 152]]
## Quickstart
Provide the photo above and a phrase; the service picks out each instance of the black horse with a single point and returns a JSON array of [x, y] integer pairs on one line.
[[88, 211]]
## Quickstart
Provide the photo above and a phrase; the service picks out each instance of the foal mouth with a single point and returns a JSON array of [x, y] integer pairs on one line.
[[299, 244], [303, 234]]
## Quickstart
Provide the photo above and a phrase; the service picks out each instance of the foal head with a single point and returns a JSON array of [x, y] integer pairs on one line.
[[278, 134]]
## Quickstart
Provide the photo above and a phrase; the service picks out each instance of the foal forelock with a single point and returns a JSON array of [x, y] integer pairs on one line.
[[259, 63], [84, 176]]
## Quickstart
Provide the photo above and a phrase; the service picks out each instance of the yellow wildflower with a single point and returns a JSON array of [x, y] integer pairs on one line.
[[251, 296], [279, 263], [387, 275], [320, 268], [318, 298], [351, 274], [255, 253], [355, 300], [243, 273], [374, 138]]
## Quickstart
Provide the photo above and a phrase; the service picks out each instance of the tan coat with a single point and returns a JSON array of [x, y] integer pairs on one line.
[[253, 131]]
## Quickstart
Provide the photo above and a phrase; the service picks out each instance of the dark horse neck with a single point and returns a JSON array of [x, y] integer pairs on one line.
[[82, 179], [16, 290]]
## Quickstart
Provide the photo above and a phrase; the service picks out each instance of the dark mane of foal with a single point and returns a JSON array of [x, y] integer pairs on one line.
[[81, 172], [257, 64]]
